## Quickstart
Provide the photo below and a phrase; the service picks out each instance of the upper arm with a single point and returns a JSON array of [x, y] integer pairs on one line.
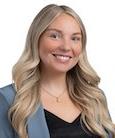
[[6, 130]]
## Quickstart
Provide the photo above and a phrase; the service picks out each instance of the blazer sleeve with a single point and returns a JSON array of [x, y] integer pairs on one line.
[[6, 130]]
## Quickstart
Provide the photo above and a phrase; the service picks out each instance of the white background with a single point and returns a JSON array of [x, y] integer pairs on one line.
[[99, 19]]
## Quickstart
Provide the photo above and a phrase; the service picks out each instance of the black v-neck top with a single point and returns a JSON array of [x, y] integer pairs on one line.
[[58, 128]]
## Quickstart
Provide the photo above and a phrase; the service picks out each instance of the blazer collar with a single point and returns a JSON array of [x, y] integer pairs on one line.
[[37, 125]]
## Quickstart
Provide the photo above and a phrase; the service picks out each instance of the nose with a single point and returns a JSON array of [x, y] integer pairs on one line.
[[66, 45]]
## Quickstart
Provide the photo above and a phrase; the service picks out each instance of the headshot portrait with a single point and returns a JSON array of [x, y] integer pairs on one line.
[[55, 90]]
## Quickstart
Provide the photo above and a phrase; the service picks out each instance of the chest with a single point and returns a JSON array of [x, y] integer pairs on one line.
[[65, 109]]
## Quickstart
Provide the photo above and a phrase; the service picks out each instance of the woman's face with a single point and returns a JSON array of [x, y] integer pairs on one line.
[[60, 45]]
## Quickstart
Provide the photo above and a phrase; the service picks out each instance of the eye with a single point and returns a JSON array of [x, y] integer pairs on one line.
[[76, 38], [55, 35]]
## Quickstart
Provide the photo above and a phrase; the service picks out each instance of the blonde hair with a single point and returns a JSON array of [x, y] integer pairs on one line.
[[82, 80]]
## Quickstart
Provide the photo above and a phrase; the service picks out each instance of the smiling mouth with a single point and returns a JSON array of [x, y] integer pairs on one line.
[[62, 58]]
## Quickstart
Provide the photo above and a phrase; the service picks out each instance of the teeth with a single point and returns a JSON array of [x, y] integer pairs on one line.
[[63, 58]]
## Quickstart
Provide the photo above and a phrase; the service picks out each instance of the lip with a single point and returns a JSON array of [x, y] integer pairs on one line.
[[64, 59], [64, 55]]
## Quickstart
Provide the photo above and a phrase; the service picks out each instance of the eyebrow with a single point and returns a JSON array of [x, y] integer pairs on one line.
[[57, 30]]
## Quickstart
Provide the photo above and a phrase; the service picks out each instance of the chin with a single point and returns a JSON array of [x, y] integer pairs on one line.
[[63, 70]]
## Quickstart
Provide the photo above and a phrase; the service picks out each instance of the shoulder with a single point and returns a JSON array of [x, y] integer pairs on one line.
[[8, 92], [6, 97]]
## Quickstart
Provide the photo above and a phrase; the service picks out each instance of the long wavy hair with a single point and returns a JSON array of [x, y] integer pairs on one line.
[[82, 80]]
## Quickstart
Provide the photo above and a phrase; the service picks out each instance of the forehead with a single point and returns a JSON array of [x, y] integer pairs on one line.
[[66, 23]]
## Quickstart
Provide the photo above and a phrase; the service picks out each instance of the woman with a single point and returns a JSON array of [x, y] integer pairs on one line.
[[55, 91]]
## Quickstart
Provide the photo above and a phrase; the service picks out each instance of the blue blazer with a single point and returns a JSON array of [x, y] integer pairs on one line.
[[36, 125]]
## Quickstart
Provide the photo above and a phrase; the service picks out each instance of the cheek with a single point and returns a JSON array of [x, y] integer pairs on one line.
[[47, 45], [77, 50]]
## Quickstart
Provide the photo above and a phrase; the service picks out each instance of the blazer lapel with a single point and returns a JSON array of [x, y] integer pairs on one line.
[[37, 126]]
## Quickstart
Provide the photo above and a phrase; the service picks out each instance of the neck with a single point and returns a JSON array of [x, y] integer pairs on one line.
[[53, 81]]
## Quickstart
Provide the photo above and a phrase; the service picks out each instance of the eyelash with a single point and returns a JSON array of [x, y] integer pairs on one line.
[[55, 35], [58, 36], [76, 38]]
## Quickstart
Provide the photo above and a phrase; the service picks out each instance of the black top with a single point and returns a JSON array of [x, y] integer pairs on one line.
[[58, 128]]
